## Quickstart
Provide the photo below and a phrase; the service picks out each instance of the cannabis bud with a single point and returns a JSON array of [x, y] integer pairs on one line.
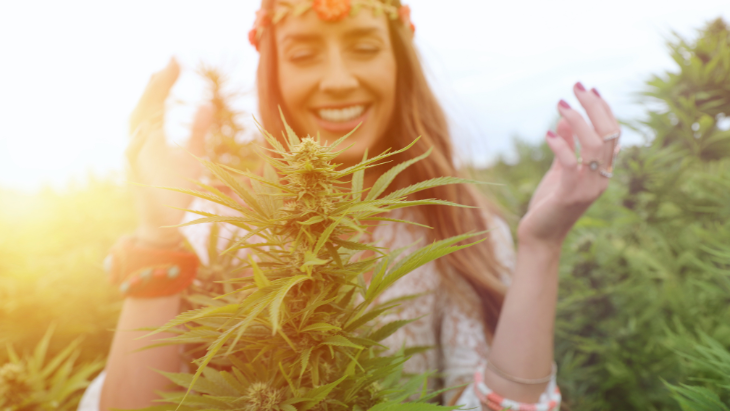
[[13, 383], [298, 337]]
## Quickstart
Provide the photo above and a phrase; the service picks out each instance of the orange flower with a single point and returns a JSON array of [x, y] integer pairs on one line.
[[405, 16], [262, 20], [253, 38], [331, 10]]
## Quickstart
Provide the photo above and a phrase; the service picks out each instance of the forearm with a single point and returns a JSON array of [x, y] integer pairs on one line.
[[523, 342], [131, 379]]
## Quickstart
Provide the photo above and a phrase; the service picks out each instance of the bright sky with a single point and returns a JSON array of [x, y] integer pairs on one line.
[[72, 70]]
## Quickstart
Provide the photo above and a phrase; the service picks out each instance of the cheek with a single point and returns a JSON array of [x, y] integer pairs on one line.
[[294, 87], [385, 86]]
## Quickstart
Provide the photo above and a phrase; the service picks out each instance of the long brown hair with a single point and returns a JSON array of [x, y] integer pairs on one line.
[[418, 113]]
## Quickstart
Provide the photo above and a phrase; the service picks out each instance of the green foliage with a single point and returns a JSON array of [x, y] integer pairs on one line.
[[51, 251], [696, 97], [647, 267], [297, 333], [51, 278], [31, 383], [226, 141], [710, 363]]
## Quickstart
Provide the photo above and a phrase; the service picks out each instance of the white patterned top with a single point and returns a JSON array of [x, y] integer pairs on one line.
[[454, 327]]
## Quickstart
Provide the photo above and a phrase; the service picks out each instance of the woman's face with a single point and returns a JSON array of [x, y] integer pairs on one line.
[[334, 76]]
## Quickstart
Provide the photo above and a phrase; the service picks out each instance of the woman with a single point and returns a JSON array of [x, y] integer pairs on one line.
[[330, 68]]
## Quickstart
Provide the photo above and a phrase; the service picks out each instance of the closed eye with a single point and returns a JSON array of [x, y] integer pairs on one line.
[[301, 55], [366, 49]]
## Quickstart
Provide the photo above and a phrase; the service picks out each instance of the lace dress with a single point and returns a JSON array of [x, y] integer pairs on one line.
[[453, 327]]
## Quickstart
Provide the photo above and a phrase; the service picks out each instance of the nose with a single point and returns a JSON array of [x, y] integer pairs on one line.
[[337, 78]]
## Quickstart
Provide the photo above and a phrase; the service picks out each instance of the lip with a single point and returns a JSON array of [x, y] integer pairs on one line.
[[341, 105], [344, 127]]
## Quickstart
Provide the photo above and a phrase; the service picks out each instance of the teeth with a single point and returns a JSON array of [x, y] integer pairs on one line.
[[341, 115]]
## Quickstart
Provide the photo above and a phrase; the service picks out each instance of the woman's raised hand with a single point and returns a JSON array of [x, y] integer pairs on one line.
[[155, 163], [572, 184]]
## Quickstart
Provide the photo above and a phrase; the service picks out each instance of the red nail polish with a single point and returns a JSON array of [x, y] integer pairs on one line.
[[579, 86], [551, 134], [595, 92], [564, 104]]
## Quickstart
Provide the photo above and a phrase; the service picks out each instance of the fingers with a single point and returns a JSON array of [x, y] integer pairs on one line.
[[151, 105], [201, 125], [566, 132], [601, 118], [158, 88], [564, 154], [615, 145], [605, 105], [139, 138], [590, 143], [603, 121]]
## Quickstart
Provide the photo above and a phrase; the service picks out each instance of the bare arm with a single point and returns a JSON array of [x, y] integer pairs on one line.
[[131, 379], [523, 342]]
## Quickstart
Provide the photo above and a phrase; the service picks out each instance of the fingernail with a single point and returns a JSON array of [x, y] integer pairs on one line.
[[564, 104], [551, 134], [579, 86], [595, 92]]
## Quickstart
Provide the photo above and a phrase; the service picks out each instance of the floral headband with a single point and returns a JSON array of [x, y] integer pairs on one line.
[[327, 10]]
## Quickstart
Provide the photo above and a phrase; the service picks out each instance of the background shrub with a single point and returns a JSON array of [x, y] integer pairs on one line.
[[51, 254]]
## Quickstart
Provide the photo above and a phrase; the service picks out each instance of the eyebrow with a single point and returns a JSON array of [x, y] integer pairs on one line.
[[353, 33], [363, 31]]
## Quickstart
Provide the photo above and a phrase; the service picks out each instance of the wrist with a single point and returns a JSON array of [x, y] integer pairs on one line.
[[145, 271], [539, 246], [540, 256]]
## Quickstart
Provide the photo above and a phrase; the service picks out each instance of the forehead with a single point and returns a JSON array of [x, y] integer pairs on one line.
[[308, 24]]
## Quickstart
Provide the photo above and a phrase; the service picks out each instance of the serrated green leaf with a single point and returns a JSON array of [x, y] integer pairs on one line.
[[278, 300], [340, 341], [384, 181], [320, 327], [258, 275]]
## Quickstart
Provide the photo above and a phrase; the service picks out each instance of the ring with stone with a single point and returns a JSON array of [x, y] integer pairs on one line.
[[611, 137], [593, 165]]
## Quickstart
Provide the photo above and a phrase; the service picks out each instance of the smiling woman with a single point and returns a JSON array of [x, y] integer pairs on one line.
[[329, 66], [336, 77]]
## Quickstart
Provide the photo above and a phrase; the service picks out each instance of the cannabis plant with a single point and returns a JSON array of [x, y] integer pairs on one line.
[[710, 361], [226, 142], [296, 334], [28, 382]]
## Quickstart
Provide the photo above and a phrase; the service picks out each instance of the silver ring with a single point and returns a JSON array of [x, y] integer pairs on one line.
[[613, 136], [593, 165], [605, 173]]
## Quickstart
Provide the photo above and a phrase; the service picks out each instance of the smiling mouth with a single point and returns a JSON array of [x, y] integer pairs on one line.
[[341, 115]]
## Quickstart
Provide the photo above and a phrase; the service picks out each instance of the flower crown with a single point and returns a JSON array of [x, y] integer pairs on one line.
[[327, 10]]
